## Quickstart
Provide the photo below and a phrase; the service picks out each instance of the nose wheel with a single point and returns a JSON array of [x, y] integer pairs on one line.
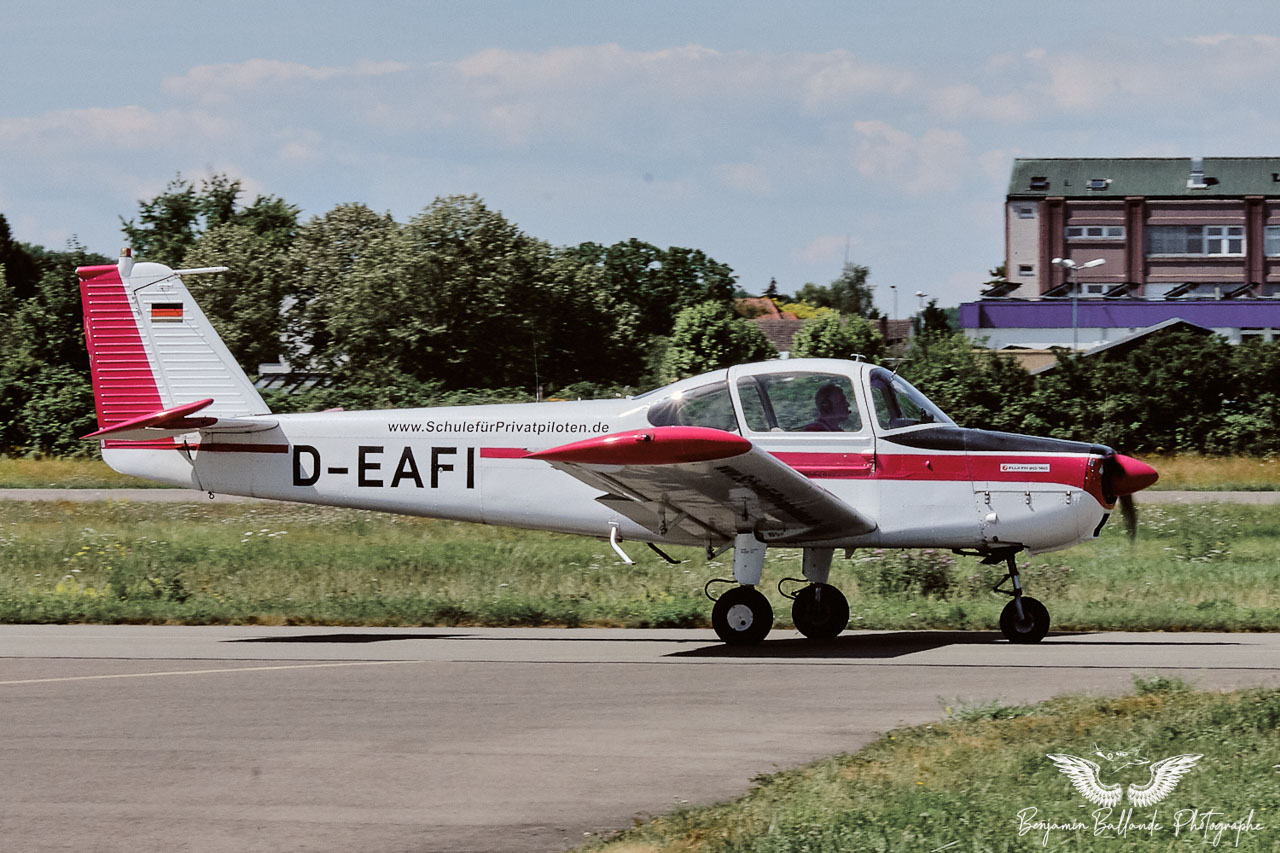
[[742, 616], [1028, 627], [820, 611], [1023, 620]]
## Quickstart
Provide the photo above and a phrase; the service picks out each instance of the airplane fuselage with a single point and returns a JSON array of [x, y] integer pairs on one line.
[[933, 486]]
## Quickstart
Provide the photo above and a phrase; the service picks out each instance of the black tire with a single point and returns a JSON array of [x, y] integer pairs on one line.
[[742, 616], [820, 611], [1032, 628]]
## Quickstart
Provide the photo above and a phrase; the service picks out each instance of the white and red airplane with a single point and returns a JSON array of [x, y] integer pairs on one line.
[[816, 454]]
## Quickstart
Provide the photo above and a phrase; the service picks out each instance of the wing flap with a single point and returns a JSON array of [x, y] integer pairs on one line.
[[705, 483]]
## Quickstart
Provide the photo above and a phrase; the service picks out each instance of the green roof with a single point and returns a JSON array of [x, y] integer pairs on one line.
[[1154, 177]]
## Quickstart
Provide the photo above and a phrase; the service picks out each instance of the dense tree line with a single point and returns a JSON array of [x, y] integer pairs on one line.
[[456, 305], [459, 305], [1177, 391]]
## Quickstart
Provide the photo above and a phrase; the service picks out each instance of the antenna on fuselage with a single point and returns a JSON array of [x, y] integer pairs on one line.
[[537, 383]]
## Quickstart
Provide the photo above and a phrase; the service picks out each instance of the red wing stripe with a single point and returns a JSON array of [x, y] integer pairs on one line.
[[503, 453]]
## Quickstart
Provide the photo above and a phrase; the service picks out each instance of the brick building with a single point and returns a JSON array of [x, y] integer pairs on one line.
[[1191, 238], [1195, 227]]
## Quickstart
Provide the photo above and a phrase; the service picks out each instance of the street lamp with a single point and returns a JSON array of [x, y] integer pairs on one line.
[[894, 288], [920, 295], [1073, 275]]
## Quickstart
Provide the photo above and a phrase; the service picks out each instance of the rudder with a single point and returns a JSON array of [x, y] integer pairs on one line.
[[152, 348]]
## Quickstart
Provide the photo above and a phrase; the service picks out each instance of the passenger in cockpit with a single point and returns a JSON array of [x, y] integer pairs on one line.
[[833, 410]]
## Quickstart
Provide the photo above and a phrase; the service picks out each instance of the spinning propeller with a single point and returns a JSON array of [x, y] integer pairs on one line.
[[1122, 476]]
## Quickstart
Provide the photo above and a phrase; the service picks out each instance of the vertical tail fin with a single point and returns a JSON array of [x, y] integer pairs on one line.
[[152, 348]]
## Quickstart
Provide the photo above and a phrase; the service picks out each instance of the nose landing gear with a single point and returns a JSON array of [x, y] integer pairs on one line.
[[1023, 620]]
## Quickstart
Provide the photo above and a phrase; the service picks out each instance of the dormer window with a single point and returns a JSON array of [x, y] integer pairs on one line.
[[1039, 183], [1099, 183]]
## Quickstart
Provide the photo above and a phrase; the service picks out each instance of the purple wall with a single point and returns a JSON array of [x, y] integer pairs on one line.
[[1120, 313]]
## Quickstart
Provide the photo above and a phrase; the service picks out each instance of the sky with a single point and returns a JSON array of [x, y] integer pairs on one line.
[[780, 138]]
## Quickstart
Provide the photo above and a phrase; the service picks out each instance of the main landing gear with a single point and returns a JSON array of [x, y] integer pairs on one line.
[[742, 615], [1023, 620]]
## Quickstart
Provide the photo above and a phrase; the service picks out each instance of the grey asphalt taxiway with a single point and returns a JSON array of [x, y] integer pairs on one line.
[[249, 738]]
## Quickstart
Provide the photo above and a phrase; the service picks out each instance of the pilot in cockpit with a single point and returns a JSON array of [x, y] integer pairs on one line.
[[833, 410]]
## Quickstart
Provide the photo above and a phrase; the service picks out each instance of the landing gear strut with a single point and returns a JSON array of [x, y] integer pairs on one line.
[[1023, 620], [742, 616]]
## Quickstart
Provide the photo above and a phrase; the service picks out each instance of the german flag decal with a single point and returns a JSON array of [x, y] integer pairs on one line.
[[166, 312]]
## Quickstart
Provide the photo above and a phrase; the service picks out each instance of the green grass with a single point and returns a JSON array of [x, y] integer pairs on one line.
[[960, 784], [1193, 568], [1216, 473], [48, 473]]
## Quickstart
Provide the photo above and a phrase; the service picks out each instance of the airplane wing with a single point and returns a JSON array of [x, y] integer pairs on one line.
[[179, 421], [705, 484]]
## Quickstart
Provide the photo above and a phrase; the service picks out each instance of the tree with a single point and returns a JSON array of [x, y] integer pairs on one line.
[[46, 400], [243, 303], [711, 336], [976, 387], [999, 275], [481, 277], [828, 336], [334, 321], [771, 292], [660, 283], [169, 224], [849, 293], [931, 320], [20, 265]]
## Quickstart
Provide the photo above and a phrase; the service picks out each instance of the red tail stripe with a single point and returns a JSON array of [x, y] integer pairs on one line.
[[123, 385]]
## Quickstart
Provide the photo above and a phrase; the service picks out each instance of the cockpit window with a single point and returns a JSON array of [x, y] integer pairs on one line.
[[799, 402], [706, 406], [898, 403]]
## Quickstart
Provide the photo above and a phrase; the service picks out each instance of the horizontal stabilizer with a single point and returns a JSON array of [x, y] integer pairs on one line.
[[178, 421]]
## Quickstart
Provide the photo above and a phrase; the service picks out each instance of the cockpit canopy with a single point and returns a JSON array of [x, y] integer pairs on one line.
[[799, 396]]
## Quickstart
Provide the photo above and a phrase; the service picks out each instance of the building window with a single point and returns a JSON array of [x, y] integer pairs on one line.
[[1273, 240], [1026, 270], [1038, 183], [1195, 240], [1026, 211], [1099, 183], [1095, 232]]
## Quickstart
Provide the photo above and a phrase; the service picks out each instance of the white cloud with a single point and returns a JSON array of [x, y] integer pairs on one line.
[[965, 101], [822, 251], [520, 95], [749, 178], [129, 128], [295, 152], [935, 161], [226, 80]]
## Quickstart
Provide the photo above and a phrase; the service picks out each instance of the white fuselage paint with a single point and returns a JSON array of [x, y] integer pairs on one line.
[[465, 464]]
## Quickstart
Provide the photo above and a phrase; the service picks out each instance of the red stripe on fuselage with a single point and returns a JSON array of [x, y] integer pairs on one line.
[[830, 466], [167, 444]]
